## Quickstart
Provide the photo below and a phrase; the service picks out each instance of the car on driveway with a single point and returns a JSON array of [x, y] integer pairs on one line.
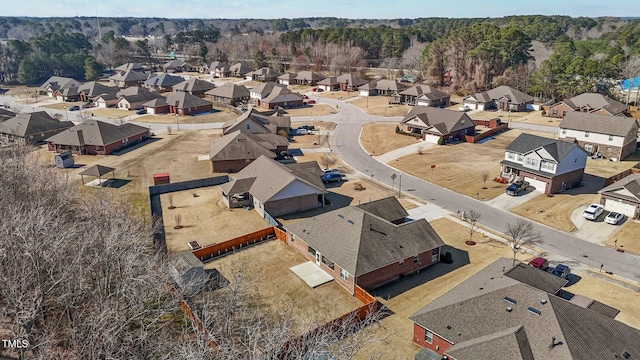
[[141, 112], [614, 218], [329, 171], [74, 108], [540, 263], [302, 131], [331, 177], [464, 108], [593, 211], [311, 102], [561, 270], [517, 187]]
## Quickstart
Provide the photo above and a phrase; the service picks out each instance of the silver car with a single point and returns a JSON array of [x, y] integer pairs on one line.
[[593, 211]]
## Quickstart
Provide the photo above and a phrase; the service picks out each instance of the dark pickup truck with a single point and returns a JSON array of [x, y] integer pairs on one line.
[[516, 188]]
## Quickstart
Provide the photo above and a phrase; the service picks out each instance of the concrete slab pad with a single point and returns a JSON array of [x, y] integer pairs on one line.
[[428, 212], [596, 231], [311, 274], [508, 202]]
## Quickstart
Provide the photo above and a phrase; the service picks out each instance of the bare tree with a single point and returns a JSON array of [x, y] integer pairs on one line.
[[178, 220], [630, 68], [520, 234], [169, 129], [485, 177], [326, 161], [472, 217], [170, 200]]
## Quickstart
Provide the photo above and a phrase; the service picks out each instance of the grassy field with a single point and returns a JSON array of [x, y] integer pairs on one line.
[[627, 237], [311, 110], [554, 211], [217, 116], [379, 106], [380, 138]]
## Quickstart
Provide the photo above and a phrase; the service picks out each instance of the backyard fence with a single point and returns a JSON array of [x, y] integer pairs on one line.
[[210, 252]]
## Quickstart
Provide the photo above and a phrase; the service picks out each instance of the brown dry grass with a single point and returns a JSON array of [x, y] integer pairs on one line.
[[627, 236], [554, 211], [380, 138], [110, 113], [379, 106], [605, 169], [319, 137], [205, 218], [311, 110], [220, 115], [342, 95], [278, 288]]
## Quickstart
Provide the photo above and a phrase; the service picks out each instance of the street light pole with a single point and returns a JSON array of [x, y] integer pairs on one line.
[[66, 115], [400, 187], [177, 120]]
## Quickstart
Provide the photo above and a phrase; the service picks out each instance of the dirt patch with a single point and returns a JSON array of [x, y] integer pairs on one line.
[[268, 268], [205, 218], [311, 110], [380, 138], [379, 106], [554, 211], [627, 237]]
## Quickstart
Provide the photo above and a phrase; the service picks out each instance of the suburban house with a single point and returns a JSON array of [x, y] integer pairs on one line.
[[131, 67], [367, 245], [368, 89], [133, 97], [287, 79], [176, 66], [424, 95], [263, 74], [611, 137], [219, 69], [589, 103], [31, 128], [329, 84], [389, 87], [282, 97], [549, 165], [229, 94], [255, 123], [258, 93], [183, 103], [128, 78], [93, 137], [239, 69], [106, 100], [492, 315], [276, 189], [156, 106], [502, 98], [438, 125], [91, 90], [623, 196], [308, 78], [162, 82], [350, 82], [67, 94], [194, 86], [58, 83], [233, 151]]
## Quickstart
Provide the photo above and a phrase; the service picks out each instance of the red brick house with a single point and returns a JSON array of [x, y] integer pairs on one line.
[[194, 87], [367, 245], [436, 125], [184, 103], [229, 94], [235, 150], [281, 97], [93, 137], [589, 103], [31, 128]]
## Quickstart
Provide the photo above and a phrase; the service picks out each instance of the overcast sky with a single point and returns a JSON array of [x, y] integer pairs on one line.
[[370, 9]]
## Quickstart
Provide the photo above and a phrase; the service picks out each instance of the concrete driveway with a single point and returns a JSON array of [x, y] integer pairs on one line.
[[596, 231], [508, 202]]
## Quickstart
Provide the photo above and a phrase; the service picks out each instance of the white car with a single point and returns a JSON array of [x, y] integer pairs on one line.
[[593, 211], [464, 108], [613, 218]]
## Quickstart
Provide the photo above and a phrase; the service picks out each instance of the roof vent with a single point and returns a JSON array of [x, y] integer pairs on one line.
[[543, 301], [509, 309], [534, 310], [341, 216], [510, 300], [448, 327], [626, 355], [350, 222]]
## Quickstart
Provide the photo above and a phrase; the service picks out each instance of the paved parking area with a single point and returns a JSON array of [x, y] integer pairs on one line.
[[508, 202], [596, 231]]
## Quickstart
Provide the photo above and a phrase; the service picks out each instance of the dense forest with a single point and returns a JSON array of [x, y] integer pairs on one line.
[[549, 56]]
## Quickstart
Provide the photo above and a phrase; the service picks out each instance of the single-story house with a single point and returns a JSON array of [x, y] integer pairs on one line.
[[389, 87], [58, 83], [91, 90], [106, 100], [287, 79], [424, 95], [176, 66], [263, 74], [156, 106], [184, 103], [219, 69], [254, 122], [308, 78], [195, 87], [233, 151], [329, 84], [67, 94], [612, 137], [130, 67], [492, 315], [549, 165], [367, 245], [229, 94], [276, 189], [31, 128], [128, 78], [239, 69], [282, 97], [133, 97], [589, 103], [93, 137], [502, 97], [162, 82], [623, 196], [438, 125], [350, 82], [368, 89]]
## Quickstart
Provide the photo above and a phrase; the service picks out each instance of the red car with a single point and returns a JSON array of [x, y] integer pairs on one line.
[[540, 263], [314, 89], [311, 101]]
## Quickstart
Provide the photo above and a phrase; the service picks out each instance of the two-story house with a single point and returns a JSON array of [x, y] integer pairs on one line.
[[258, 93], [612, 137], [549, 165]]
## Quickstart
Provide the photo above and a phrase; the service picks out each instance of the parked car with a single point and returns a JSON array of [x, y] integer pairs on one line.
[[314, 89], [593, 211], [464, 108], [329, 171], [561, 270], [311, 101], [141, 112], [540, 263], [74, 108], [517, 187], [614, 218], [331, 177], [302, 132], [308, 127]]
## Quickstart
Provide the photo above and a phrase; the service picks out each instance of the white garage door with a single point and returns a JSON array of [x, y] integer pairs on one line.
[[620, 207], [538, 184], [431, 138]]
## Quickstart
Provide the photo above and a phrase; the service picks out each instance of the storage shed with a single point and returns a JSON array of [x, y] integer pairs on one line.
[[64, 160]]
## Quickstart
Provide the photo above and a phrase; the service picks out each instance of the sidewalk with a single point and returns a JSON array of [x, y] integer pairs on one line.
[[407, 150]]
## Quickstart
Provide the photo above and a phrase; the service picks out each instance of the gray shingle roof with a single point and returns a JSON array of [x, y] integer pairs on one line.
[[60, 82], [251, 115], [427, 91], [229, 91], [165, 80], [308, 76], [94, 132], [329, 81], [388, 208], [445, 121], [390, 85], [93, 89], [351, 79], [129, 76], [184, 100], [282, 95], [627, 188], [238, 146], [287, 76], [24, 125], [193, 84], [526, 143], [595, 101], [601, 124], [240, 68], [509, 344], [361, 242], [512, 95], [536, 278]]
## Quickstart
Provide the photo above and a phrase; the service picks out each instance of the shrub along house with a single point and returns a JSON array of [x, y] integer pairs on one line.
[[93, 137], [437, 125], [548, 165], [366, 245]]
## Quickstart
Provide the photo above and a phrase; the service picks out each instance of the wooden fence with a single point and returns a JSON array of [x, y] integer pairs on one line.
[[495, 130], [634, 170], [209, 252], [281, 234], [195, 320]]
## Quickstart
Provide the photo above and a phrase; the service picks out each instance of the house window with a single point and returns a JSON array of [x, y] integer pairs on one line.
[[428, 336], [415, 259], [327, 262], [586, 134], [610, 137], [510, 156], [248, 126], [608, 149], [344, 274], [547, 165], [520, 158], [312, 251], [564, 131], [532, 162], [588, 147]]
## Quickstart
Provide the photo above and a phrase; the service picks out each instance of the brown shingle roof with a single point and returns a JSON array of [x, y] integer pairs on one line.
[[229, 91], [24, 125], [192, 85], [445, 121], [601, 124], [94, 132], [237, 146], [595, 101], [184, 100]]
